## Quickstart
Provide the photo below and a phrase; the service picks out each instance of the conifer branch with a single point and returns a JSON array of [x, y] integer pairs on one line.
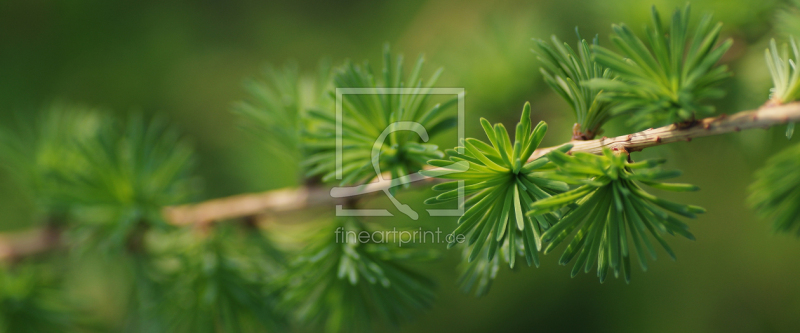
[[294, 199], [286, 200], [765, 117]]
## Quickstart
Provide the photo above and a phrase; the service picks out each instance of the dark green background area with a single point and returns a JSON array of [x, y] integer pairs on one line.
[[186, 60]]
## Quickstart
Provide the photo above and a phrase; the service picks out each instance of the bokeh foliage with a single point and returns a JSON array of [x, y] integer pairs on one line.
[[366, 118], [188, 60]]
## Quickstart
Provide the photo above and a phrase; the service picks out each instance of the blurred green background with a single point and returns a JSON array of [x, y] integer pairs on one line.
[[187, 60]]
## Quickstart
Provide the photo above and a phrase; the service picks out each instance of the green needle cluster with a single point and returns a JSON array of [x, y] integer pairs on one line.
[[609, 210], [366, 116], [479, 273], [349, 286], [776, 192], [666, 78], [276, 108], [29, 302], [128, 172], [215, 281], [785, 75], [566, 72], [501, 185]]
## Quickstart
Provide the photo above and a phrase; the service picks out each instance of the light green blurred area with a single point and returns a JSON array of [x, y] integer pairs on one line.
[[187, 60]]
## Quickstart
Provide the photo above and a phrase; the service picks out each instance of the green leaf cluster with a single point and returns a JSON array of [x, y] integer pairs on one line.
[[785, 75], [277, 107], [517, 205], [775, 193], [609, 210], [566, 71], [366, 116], [128, 172], [338, 286], [35, 153], [666, 78], [784, 72], [104, 181], [29, 302], [220, 281], [341, 284], [479, 274], [500, 185], [102, 176]]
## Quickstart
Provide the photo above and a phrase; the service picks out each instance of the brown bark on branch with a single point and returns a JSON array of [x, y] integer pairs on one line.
[[764, 117]]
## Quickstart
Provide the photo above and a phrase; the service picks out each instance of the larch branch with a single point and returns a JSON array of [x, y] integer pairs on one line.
[[296, 199], [764, 117]]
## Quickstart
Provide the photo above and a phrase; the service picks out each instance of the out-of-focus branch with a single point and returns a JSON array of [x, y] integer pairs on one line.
[[274, 202], [296, 199], [243, 205], [16, 245]]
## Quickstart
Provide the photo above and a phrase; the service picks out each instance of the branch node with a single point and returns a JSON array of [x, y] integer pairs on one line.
[[578, 135], [685, 124]]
